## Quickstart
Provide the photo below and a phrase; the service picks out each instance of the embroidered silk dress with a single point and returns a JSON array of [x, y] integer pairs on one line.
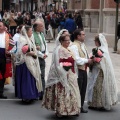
[[27, 74], [55, 97], [102, 89]]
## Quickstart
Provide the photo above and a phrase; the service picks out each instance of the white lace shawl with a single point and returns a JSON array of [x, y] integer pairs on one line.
[[57, 42], [92, 77], [31, 63], [109, 90], [57, 73], [109, 81]]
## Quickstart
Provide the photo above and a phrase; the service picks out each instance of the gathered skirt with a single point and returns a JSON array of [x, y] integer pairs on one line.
[[25, 83], [55, 99], [97, 92]]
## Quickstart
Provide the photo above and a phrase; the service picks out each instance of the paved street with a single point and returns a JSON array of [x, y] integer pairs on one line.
[[13, 109]]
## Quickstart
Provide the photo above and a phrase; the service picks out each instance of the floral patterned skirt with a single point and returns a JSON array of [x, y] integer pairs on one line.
[[97, 92], [55, 99]]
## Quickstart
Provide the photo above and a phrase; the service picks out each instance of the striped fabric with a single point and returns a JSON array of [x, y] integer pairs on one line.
[[11, 44], [7, 41]]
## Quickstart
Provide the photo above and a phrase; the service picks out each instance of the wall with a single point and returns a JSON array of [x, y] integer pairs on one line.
[[95, 4], [77, 4], [110, 4], [1, 4]]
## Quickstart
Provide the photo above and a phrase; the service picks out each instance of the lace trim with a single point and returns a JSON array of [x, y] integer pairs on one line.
[[65, 53]]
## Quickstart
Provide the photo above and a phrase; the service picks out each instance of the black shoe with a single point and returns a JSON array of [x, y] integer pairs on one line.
[[58, 115], [41, 98], [101, 109], [92, 108], [83, 111], [3, 97]]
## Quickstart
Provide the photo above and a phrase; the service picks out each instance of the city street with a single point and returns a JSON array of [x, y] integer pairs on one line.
[[13, 109]]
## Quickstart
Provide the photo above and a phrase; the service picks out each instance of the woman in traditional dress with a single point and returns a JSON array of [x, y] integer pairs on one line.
[[8, 73], [27, 74], [6, 18], [102, 89], [49, 35], [16, 38], [62, 92]]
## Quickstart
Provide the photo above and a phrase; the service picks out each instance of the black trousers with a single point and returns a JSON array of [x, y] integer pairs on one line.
[[42, 68], [2, 70], [82, 83], [71, 36]]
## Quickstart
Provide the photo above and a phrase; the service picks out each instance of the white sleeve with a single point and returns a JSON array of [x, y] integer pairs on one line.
[[46, 49], [16, 38], [40, 54], [13, 49], [78, 59]]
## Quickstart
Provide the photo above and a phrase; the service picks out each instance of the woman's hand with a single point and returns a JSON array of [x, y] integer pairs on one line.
[[45, 56], [31, 53], [38, 47]]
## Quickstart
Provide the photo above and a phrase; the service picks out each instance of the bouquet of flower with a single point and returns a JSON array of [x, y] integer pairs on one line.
[[96, 55], [66, 65], [26, 49]]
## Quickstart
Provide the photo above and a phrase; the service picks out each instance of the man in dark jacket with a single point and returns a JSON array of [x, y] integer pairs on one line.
[[54, 23], [19, 19], [70, 25], [79, 22]]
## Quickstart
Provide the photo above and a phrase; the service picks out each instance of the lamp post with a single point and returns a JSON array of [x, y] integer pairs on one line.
[[31, 5], [2, 5], [116, 24]]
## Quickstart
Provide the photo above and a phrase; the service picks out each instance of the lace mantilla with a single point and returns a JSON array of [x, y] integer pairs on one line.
[[65, 53]]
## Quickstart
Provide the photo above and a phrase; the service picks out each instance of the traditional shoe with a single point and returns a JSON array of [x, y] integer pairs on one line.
[[58, 115], [41, 98], [3, 97], [101, 109], [92, 108], [83, 111], [76, 115]]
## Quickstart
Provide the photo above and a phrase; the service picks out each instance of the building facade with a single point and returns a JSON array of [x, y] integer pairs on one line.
[[42, 5], [49, 5], [18, 5], [98, 16]]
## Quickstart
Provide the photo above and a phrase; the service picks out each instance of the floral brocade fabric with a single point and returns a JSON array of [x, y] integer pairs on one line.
[[97, 92], [56, 100]]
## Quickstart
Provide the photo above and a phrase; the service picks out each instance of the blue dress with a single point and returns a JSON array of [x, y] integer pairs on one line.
[[25, 83]]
